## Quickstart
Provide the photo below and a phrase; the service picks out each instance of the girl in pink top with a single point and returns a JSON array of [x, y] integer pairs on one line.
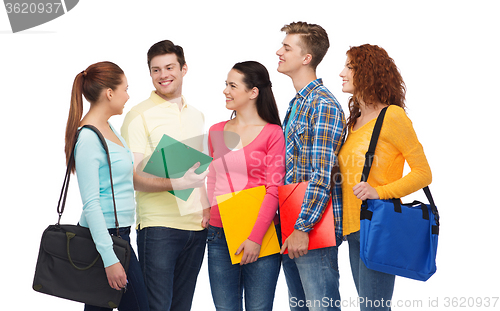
[[248, 152]]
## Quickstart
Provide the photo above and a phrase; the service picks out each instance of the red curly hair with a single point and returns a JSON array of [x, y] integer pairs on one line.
[[376, 79]]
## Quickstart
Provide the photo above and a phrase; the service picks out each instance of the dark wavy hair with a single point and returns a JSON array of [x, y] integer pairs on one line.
[[256, 75], [376, 79]]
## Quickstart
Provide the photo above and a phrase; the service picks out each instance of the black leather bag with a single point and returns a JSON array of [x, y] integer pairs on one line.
[[69, 265]]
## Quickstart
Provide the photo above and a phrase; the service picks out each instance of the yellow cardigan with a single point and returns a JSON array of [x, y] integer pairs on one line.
[[397, 143]]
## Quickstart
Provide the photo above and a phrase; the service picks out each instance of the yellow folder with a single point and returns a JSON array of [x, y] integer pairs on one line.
[[239, 211]]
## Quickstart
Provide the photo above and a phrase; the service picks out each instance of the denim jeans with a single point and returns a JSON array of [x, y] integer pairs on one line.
[[170, 260], [313, 279], [135, 297], [374, 288], [228, 282]]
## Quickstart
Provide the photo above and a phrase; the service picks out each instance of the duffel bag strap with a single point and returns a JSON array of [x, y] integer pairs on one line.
[[427, 191], [64, 190], [370, 154]]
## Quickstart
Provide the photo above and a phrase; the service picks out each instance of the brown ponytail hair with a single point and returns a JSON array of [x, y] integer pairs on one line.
[[90, 83]]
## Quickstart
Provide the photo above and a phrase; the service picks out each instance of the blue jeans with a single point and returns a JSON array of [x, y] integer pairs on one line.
[[374, 288], [313, 279], [135, 297], [170, 260], [227, 281]]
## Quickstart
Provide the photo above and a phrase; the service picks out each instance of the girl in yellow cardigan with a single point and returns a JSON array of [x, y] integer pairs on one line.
[[374, 81]]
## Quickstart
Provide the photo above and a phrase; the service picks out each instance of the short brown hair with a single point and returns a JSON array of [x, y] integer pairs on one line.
[[314, 40], [166, 47]]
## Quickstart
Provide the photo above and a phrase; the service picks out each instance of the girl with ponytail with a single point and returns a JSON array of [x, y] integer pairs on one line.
[[104, 85]]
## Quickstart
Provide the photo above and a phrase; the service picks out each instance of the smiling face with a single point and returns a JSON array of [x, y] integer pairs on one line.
[[347, 77], [291, 56], [167, 75], [236, 92]]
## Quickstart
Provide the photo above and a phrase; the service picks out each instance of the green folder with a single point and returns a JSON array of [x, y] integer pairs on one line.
[[172, 159]]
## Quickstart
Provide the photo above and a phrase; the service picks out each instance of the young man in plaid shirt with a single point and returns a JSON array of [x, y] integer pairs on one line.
[[314, 129]]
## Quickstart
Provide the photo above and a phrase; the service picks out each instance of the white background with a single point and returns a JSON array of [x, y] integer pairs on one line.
[[447, 52]]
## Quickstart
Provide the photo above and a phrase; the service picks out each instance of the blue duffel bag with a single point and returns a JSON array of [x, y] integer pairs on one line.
[[400, 239]]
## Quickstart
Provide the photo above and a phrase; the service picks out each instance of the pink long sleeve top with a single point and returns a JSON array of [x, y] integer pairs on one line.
[[261, 162]]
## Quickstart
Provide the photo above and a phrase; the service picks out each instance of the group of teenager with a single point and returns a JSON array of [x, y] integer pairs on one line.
[[314, 139]]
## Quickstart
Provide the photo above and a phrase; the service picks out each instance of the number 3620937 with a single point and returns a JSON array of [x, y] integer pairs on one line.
[[33, 8]]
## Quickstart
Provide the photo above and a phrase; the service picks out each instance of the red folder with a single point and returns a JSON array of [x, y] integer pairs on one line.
[[290, 199]]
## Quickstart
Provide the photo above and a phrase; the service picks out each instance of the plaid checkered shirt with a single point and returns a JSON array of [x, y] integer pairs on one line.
[[314, 136]]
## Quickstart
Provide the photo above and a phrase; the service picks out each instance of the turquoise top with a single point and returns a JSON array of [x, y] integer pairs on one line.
[[92, 171], [292, 115]]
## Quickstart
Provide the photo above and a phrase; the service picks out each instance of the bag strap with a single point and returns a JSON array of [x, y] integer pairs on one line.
[[370, 154], [427, 191], [64, 190]]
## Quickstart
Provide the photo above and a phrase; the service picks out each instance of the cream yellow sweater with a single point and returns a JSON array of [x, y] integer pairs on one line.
[[397, 143]]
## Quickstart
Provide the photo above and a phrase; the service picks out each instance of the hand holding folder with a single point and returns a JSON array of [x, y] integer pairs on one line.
[[172, 159], [239, 211], [290, 199]]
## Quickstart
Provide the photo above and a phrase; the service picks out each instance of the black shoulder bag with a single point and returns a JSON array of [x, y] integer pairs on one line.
[[68, 264]]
